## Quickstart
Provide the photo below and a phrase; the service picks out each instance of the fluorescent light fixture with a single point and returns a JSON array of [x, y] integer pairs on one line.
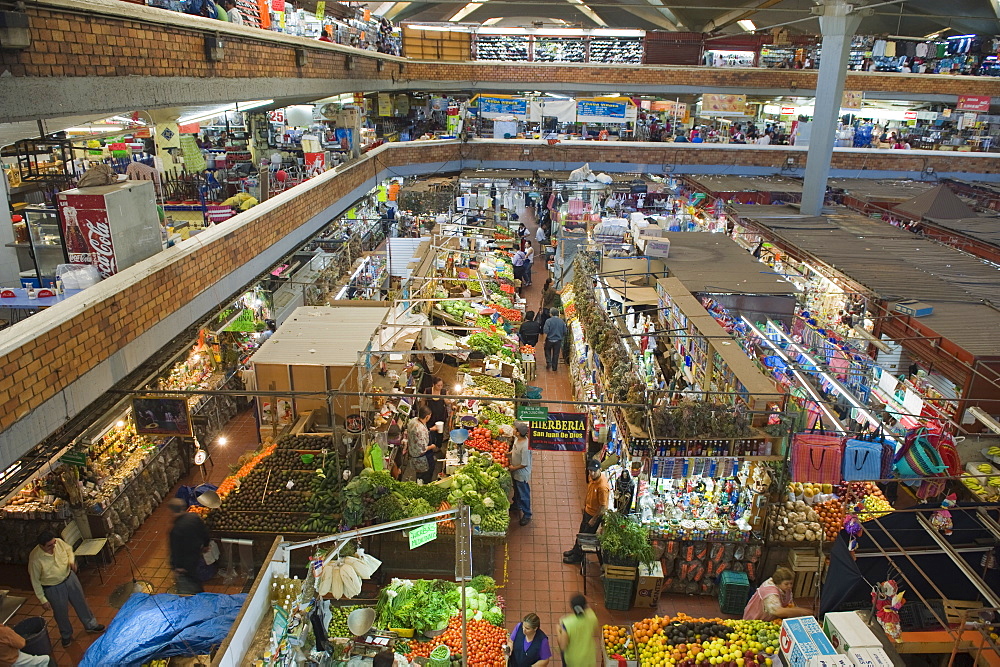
[[95, 129], [961, 37], [383, 8], [243, 106], [493, 21], [985, 419], [126, 121], [465, 11], [433, 28], [864, 333], [798, 375], [611, 32], [747, 25]]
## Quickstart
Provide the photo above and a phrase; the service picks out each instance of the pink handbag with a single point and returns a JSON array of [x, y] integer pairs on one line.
[[816, 456]]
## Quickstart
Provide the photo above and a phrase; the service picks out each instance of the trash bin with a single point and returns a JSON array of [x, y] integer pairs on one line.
[[36, 636]]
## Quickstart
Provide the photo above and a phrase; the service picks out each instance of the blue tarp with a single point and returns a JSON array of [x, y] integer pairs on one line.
[[160, 626]]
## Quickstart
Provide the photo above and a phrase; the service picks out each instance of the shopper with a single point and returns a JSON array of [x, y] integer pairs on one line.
[[550, 299], [440, 412], [577, 632], [522, 236], [204, 8], [234, 12], [188, 544], [529, 330], [518, 259], [418, 443], [529, 258], [11, 654], [528, 646], [540, 236], [594, 507], [555, 331], [52, 570], [773, 600], [520, 471]]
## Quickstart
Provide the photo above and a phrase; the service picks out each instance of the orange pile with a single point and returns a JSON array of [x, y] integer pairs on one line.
[[831, 515]]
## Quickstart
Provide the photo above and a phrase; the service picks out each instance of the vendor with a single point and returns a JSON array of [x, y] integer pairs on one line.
[[773, 600], [439, 415], [417, 446], [528, 646]]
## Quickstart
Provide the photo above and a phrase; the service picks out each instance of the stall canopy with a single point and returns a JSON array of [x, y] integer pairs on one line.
[[940, 203], [932, 572], [563, 109]]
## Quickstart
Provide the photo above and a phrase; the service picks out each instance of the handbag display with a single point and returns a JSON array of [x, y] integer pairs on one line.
[[862, 461], [816, 456]]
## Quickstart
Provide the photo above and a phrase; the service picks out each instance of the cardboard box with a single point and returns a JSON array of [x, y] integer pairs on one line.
[[803, 644], [656, 247], [914, 308], [869, 657], [648, 585], [847, 631]]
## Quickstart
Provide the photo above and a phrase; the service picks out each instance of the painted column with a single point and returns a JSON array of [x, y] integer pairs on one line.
[[837, 25]]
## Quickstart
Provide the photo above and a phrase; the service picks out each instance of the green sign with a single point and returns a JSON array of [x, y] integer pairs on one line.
[[421, 535], [78, 459], [532, 413]]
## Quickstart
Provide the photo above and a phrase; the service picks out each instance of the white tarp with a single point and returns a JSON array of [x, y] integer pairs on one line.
[[564, 109]]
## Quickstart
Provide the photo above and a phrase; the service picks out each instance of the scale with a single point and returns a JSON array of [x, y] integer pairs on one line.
[[368, 643], [459, 436]]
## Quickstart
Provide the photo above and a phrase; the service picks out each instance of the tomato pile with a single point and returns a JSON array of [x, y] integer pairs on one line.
[[527, 349], [485, 643], [482, 440], [509, 314]]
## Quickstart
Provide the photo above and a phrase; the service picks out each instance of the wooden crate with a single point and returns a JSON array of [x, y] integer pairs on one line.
[[806, 584], [619, 572], [804, 560], [959, 611]]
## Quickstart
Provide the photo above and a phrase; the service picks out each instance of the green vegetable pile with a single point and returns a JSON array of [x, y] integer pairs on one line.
[[376, 496], [456, 309], [483, 486], [486, 342], [426, 605], [493, 420], [496, 386], [623, 539]]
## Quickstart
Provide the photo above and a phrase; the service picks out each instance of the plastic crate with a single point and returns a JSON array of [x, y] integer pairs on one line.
[[618, 593], [734, 591]]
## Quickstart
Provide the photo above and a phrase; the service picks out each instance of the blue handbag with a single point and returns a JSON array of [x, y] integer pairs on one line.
[[862, 461]]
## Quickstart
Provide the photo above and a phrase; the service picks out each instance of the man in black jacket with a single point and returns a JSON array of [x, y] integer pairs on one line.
[[188, 543]]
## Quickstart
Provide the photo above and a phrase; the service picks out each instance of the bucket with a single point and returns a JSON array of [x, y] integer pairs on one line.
[[36, 636]]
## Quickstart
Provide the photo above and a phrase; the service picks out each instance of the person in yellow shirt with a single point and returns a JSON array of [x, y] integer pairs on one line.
[[576, 634], [594, 507], [52, 568]]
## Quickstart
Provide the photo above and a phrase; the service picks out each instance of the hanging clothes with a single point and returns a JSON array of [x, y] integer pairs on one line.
[[878, 49], [890, 49], [921, 50]]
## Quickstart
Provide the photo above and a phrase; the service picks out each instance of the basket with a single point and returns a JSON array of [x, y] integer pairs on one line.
[[734, 590], [440, 662], [619, 572], [618, 593]]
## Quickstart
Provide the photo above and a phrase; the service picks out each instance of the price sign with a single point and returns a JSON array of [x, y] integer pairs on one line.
[[421, 535]]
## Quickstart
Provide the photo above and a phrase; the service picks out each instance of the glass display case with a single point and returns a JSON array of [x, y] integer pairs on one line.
[[42, 251]]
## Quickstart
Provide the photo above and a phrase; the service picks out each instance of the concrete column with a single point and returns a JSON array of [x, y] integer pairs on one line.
[[10, 272], [837, 25]]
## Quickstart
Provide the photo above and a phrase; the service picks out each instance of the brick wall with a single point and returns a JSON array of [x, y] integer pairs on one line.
[[120, 39], [42, 356]]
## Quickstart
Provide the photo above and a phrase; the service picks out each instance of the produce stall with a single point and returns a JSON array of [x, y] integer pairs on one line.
[[337, 611]]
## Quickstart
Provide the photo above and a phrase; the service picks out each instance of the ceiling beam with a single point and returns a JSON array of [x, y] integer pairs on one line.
[[738, 14], [588, 12], [653, 16]]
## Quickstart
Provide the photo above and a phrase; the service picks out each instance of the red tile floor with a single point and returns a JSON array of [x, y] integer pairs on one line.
[[145, 557]]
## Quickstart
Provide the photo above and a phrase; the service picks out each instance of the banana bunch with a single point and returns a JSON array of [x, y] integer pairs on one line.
[[993, 451], [994, 481], [972, 483], [984, 468]]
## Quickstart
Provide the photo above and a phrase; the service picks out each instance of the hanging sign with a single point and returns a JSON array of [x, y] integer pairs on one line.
[[980, 103], [561, 432], [909, 115], [490, 106], [598, 110], [384, 104], [321, 9], [276, 116], [78, 459], [421, 535], [723, 104], [852, 99], [532, 413]]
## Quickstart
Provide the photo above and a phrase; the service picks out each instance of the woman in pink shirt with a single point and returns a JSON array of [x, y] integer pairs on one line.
[[773, 600]]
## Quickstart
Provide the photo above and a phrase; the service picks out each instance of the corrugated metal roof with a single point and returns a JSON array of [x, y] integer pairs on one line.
[[887, 190], [724, 183], [898, 265], [322, 336], [984, 229], [715, 263]]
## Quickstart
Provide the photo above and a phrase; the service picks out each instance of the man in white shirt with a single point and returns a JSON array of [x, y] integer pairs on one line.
[[520, 471], [234, 13], [540, 235], [764, 139], [52, 569]]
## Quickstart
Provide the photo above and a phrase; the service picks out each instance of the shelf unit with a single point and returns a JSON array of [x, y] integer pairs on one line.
[[558, 50], [618, 50], [716, 364], [551, 49], [515, 48]]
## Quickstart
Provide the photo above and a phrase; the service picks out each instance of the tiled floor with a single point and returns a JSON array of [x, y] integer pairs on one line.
[[145, 557]]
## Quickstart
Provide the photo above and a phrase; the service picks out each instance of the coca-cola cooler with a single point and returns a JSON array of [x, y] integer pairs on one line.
[[111, 226]]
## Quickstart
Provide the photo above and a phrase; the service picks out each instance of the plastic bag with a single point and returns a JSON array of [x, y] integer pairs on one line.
[[351, 581], [78, 276]]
